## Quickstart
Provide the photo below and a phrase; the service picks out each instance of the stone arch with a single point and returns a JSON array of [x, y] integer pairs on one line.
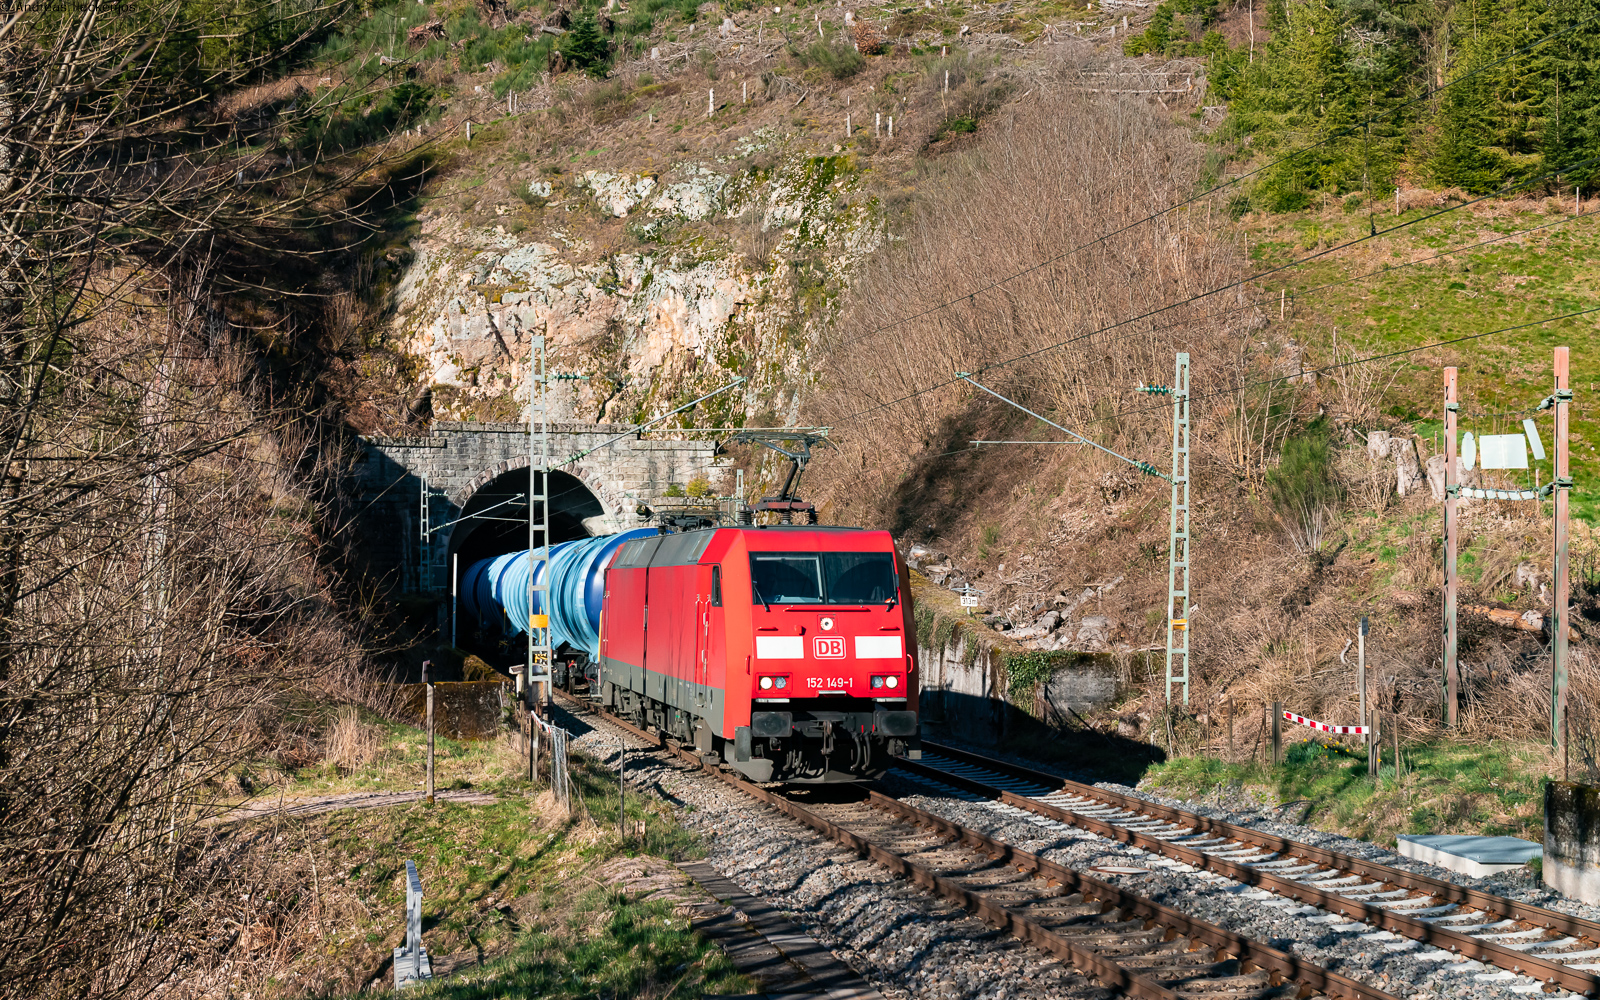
[[583, 473], [574, 502]]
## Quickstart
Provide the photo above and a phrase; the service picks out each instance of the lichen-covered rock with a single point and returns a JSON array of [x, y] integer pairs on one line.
[[616, 194]]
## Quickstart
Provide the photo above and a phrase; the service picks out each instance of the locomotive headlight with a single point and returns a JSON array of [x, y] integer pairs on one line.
[[893, 682], [877, 682], [766, 683], [783, 682]]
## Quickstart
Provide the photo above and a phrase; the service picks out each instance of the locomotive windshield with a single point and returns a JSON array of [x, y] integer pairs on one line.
[[822, 577]]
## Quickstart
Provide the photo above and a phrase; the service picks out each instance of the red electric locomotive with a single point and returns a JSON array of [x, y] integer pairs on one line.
[[788, 650]]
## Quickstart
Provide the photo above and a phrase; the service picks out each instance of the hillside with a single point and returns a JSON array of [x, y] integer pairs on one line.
[[235, 251]]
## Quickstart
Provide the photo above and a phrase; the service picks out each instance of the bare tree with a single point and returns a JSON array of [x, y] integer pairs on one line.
[[158, 539]]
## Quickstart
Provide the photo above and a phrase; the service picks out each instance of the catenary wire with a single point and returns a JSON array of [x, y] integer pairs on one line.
[[1358, 361], [1386, 269], [1221, 288]]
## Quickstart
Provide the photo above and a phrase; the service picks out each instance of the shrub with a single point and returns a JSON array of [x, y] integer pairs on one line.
[[1303, 489], [837, 59]]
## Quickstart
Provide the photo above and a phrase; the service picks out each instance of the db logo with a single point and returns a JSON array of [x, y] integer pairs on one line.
[[828, 647]]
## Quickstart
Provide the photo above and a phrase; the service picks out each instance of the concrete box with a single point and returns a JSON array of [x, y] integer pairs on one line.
[[1475, 856], [1572, 839]]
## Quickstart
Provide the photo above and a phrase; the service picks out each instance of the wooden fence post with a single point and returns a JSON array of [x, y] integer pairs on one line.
[[1230, 729], [429, 685]]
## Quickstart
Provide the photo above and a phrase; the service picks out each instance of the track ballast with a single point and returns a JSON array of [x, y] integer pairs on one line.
[[1556, 950]]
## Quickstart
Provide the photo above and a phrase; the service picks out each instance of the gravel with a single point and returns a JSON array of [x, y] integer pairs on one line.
[[1378, 958], [907, 943], [902, 940], [1232, 806]]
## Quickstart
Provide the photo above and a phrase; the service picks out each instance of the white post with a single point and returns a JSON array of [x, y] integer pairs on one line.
[[455, 590], [847, 125], [877, 125], [891, 126], [744, 92], [428, 684], [1397, 201], [1361, 673], [469, 133], [711, 101], [947, 81]]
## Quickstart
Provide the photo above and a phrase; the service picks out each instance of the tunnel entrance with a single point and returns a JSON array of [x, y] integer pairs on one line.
[[498, 523]]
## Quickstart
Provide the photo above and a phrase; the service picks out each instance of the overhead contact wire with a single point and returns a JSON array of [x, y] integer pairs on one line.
[[1231, 285]]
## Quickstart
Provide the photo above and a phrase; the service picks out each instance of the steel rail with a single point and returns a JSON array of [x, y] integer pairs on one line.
[[1284, 966], [1280, 966], [1517, 961]]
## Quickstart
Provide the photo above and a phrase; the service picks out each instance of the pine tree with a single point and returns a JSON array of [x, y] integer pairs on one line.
[[1570, 138], [584, 46], [1465, 155], [1305, 105]]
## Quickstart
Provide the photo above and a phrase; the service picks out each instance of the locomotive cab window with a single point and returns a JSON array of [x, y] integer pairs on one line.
[[716, 586], [785, 578], [821, 577], [859, 577]]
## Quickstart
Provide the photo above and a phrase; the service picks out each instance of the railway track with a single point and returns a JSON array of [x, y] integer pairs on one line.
[[1556, 950], [1125, 941]]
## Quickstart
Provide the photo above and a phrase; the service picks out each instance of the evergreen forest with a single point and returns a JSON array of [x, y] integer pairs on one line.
[[1481, 96]]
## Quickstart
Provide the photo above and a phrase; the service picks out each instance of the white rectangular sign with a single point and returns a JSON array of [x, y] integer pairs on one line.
[[1532, 431], [969, 602], [878, 647], [780, 647], [1503, 451]]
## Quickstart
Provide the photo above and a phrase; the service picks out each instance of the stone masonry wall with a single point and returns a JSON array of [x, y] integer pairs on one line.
[[457, 459]]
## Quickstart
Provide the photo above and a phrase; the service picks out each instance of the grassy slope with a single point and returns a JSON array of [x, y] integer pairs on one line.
[[1536, 260], [1542, 262], [1443, 788], [511, 883]]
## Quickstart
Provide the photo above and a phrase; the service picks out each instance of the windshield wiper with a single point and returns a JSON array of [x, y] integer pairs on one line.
[[894, 595], [755, 588]]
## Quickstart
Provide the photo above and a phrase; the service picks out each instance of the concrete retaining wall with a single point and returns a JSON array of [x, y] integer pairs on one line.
[[1572, 839], [966, 682], [462, 710]]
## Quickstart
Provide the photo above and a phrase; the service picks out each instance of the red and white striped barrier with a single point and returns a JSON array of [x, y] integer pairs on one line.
[[1325, 728]]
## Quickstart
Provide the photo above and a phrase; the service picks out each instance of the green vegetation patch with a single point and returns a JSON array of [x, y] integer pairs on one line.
[[606, 945], [1492, 790], [837, 59]]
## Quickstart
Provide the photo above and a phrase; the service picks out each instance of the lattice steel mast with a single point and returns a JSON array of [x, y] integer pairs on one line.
[[538, 666], [1178, 538]]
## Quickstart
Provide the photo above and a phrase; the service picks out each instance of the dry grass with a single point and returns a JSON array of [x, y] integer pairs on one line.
[[1032, 199], [351, 743]]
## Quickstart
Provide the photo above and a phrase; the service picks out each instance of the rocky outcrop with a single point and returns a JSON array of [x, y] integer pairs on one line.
[[1408, 470], [644, 325]]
